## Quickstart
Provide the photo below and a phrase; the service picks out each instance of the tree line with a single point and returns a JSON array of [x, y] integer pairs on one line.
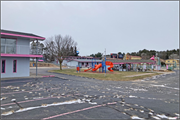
[[147, 54]]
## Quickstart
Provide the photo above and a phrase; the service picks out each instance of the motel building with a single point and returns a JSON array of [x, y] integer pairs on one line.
[[122, 65], [16, 53], [73, 61]]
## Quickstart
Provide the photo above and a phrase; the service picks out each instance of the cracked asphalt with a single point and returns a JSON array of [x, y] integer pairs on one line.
[[72, 97]]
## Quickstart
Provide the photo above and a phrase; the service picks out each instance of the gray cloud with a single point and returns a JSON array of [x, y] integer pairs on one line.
[[117, 26]]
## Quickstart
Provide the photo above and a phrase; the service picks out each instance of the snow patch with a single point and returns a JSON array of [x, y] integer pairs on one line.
[[133, 96], [13, 100], [166, 87], [150, 113], [161, 116], [164, 116], [8, 113], [176, 114], [26, 109], [156, 117], [47, 105], [136, 117], [37, 97], [86, 95], [139, 89], [3, 98], [118, 87], [142, 111]]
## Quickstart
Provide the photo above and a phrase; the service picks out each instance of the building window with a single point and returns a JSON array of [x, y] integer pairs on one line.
[[14, 66], [82, 63], [168, 61], [3, 66], [8, 45]]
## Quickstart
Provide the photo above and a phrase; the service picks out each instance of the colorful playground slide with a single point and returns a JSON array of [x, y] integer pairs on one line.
[[111, 65], [100, 65], [97, 66], [87, 69]]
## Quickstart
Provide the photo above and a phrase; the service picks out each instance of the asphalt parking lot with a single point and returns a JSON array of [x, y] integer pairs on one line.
[[71, 97]]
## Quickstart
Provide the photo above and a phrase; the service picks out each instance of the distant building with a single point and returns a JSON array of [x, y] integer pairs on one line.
[[135, 57], [171, 62], [115, 55], [130, 57], [113, 58], [118, 62], [108, 56], [82, 61]]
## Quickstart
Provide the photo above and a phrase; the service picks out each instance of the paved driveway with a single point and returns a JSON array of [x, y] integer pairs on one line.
[[71, 97]]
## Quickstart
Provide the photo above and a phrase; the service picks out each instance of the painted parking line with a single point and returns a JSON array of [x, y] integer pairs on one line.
[[49, 76], [76, 111]]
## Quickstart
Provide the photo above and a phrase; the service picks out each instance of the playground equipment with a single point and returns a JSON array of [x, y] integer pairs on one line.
[[152, 58], [78, 68], [87, 69], [101, 65], [77, 52]]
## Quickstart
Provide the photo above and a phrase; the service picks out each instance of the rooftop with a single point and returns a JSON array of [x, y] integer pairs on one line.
[[135, 56], [86, 60], [20, 34], [131, 61]]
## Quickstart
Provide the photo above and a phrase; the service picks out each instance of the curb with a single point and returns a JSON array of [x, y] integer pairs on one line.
[[49, 76]]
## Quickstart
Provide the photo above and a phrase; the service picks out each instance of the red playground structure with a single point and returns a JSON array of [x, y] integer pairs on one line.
[[102, 65]]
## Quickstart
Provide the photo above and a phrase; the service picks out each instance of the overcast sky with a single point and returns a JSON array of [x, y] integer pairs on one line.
[[117, 26]]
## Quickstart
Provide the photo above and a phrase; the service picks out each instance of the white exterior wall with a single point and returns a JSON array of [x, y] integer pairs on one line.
[[22, 67], [64, 62], [72, 63], [23, 46]]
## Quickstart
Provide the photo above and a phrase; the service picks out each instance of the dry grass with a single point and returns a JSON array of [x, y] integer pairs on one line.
[[113, 76]]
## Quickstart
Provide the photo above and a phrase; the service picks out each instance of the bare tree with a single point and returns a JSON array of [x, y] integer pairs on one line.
[[174, 56], [49, 49], [60, 47], [145, 56], [37, 48]]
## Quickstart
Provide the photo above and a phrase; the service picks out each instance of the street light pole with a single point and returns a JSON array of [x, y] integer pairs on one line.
[[36, 54], [105, 62]]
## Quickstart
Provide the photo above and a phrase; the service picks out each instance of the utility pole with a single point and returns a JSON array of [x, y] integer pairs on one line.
[[36, 54], [105, 62]]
